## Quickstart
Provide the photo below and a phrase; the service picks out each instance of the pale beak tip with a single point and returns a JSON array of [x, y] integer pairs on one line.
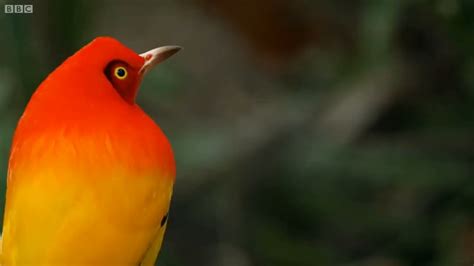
[[158, 55]]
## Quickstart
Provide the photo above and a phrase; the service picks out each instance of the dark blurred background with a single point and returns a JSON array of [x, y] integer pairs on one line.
[[306, 132]]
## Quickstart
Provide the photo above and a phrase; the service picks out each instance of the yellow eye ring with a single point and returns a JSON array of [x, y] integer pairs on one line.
[[120, 72]]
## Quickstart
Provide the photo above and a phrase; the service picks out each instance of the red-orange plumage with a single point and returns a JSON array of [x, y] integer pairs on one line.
[[78, 98], [90, 174]]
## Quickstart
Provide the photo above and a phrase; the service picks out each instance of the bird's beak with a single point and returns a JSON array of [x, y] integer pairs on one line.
[[156, 56]]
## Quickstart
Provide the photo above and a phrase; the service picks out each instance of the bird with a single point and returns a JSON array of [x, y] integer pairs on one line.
[[90, 174]]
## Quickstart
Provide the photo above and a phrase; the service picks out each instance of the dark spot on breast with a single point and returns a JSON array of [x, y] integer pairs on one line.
[[163, 221]]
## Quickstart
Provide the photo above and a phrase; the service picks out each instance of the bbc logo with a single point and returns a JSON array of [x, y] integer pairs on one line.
[[18, 9]]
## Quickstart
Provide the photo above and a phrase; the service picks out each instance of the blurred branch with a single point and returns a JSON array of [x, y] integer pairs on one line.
[[360, 103], [338, 119]]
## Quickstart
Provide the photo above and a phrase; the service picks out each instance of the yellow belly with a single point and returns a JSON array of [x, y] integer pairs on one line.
[[64, 213]]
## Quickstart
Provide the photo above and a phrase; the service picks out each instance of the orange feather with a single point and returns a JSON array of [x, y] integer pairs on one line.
[[90, 174]]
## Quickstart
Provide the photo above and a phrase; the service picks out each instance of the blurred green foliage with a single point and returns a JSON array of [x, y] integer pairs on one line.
[[305, 132]]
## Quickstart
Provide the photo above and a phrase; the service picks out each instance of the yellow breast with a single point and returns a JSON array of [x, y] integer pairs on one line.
[[65, 206]]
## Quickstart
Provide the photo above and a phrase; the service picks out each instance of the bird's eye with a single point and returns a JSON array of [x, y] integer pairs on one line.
[[120, 72]]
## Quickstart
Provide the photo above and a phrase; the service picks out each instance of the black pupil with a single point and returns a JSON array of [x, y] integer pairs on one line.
[[121, 72]]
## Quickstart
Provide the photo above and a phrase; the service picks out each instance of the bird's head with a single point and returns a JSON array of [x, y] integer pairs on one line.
[[105, 67], [125, 70]]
